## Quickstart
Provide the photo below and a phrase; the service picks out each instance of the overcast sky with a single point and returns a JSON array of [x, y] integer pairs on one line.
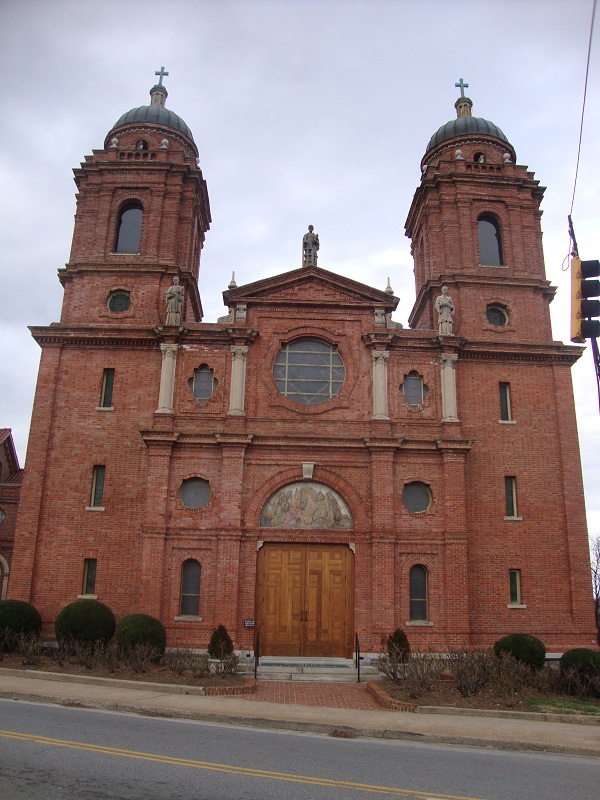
[[304, 111]]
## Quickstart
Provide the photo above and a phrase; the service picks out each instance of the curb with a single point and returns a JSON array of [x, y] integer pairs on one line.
[[387, 701], [335, 731], [249, 687]]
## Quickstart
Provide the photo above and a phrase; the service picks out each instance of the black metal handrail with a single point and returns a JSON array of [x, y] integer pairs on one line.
[[256, 654], [357, 656]]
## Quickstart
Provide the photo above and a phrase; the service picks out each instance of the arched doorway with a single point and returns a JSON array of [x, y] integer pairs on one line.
[[305, 591]]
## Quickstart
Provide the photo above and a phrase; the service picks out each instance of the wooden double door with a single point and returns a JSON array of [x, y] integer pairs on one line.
[[305, 600]]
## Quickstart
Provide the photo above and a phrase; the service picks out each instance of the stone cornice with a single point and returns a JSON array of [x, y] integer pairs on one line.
[[159, 437], [555, 352], [480, 276], [93, 336]]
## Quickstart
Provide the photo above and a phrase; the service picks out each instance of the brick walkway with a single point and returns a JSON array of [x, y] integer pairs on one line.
[[328, 695]]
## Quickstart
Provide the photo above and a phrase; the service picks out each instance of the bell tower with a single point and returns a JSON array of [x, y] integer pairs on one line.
[[474, 224], [142, 214]]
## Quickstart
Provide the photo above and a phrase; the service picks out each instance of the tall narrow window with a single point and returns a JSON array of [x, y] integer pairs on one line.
[[514, 587], [129, 229], [418, 593], [413, 389], [510, 491], [89, 576], [98, 486], [108, 381], [203, 383], [505, 412], [189, 605], [490, 241]]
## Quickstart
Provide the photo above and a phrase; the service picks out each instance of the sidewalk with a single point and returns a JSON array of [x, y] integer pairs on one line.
[[343, 709]]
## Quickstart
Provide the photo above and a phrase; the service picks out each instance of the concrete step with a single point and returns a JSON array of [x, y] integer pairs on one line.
[[272, 668]]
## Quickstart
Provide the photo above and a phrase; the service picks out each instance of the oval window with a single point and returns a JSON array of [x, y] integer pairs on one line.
[[119, 302], [496, 315], [195, 493], [416, 497]]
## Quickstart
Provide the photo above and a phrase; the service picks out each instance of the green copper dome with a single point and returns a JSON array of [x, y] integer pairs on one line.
[[155, 113], [159, 115], [465, 126]]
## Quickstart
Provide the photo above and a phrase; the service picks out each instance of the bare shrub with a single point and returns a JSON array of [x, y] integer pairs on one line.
[[416, 673], [140, 656], [29, 648], [227, 665], [185, 660], [107, 656], [199, 666], [179, 661], [470, 670], [8, 642], [579, 684], [421, 673], [82, 654], [548, 680], [509, 678]]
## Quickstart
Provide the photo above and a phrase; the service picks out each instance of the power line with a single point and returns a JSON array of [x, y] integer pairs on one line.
[[587, 72]]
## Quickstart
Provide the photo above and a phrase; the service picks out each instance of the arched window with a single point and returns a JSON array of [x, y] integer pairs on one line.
[[129, 229], [203, 383], [490, 241], [418, 593], [189, 604], [413, 389]]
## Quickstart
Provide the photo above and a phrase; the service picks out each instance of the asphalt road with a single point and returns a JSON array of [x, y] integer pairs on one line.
[[58, 753]]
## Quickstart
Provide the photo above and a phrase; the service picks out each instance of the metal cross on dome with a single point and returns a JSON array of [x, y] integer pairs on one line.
[[162, 74], [460, 85]]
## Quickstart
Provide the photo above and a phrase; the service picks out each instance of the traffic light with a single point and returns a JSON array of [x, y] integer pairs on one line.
[[583, 309]]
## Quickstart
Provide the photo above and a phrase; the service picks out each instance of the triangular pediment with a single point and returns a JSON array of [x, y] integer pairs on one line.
[[310, 285]]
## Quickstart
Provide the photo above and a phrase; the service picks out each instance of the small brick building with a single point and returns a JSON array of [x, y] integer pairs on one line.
[[304, 466], [10, 490]]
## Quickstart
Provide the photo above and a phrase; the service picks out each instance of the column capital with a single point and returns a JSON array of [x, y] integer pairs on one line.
[[239, 351], [380, 356], [169, 350], [448, 360]]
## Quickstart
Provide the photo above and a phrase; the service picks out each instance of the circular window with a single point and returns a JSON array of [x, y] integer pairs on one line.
[[309, 371], [195, 493], [119, 301], [496, 315], [416, 497]]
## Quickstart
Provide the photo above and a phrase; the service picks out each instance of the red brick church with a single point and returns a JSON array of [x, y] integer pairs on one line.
[[304, 466]]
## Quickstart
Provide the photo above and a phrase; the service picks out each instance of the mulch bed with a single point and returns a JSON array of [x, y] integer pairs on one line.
[[445, 694], [157, 673]]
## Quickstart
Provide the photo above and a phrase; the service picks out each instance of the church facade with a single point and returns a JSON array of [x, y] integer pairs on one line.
[[305, 467]]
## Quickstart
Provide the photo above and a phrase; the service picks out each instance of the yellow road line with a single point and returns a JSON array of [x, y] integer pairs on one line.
[[229, 768]]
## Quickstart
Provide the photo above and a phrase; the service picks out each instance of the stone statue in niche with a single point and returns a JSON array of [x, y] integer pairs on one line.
[[306, 505], [445, 308], [174, 302], [310, 246]]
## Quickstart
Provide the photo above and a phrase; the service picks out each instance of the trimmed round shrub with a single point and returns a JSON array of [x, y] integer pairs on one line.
[[17, 617], [583, 662], [85, 621], [524, 647], [220, 644], [398, 646], [141, 629]]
